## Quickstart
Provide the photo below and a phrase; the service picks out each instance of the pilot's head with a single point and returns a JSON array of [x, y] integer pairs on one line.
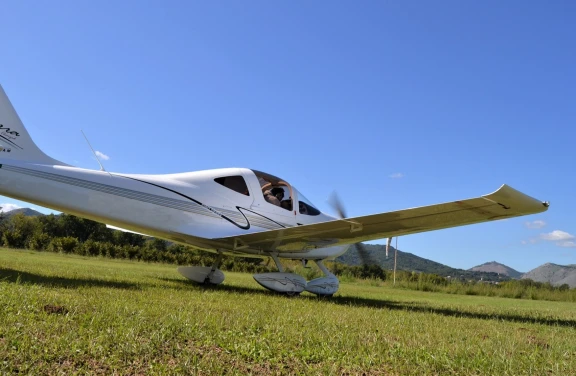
[[278, 193]]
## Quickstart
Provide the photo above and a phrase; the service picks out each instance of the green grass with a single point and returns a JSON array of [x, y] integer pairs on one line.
[[137, 318]]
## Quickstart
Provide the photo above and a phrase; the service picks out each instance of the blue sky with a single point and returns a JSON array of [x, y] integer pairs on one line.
[[392, 104]]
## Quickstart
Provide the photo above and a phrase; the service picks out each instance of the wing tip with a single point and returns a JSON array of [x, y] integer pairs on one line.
[[508, 197]]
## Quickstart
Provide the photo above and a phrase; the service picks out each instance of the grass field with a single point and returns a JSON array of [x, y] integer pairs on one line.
[[68, 314]]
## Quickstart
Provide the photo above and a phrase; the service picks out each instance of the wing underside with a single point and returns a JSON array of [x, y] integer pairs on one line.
[[506, 202]]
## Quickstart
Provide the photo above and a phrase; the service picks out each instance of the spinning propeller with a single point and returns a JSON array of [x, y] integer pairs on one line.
[[365, 258], [337, 205]]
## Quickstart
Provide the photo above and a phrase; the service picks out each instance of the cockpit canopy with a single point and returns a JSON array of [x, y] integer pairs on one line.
[[278, 192]]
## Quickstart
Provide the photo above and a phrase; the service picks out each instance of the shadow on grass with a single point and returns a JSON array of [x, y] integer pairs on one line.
[[183, 284], [387, 304], [17, 276], [425, 308]]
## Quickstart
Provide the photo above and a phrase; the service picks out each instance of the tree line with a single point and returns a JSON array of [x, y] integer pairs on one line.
[[69, 234], [65, 233]]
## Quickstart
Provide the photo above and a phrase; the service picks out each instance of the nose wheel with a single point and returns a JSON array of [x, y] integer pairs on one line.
[[205, 275]]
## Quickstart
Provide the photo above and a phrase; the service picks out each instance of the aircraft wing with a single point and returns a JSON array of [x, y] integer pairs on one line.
[[506, 202]]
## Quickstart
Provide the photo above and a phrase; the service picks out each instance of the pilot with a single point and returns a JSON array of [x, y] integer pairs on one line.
[[274, 195]]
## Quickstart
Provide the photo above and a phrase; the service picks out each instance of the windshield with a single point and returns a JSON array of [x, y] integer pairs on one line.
[[305, 206]]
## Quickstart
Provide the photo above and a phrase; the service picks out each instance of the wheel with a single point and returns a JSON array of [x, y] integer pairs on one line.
[[207, 283], [292, 293]]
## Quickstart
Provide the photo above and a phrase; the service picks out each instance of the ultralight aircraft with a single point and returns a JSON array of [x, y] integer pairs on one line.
[[229, 211]]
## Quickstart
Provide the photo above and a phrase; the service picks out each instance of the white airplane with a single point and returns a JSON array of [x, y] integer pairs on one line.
[[232, 211]]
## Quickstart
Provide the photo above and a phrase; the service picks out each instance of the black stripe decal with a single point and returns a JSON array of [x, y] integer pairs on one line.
[[263, 216], [127, 193], [11, 143], [243, 227]]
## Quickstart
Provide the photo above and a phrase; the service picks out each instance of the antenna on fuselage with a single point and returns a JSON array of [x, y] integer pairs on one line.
[[96, 155]]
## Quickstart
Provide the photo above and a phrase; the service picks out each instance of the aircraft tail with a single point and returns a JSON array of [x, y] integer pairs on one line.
[[15, 142]]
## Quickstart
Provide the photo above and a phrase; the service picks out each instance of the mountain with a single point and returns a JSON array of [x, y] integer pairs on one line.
[[26, 211], [496, 267], [410, 262], [555, 274]]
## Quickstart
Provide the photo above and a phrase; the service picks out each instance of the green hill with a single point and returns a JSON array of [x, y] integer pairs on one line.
[[555, 274], [496, 267], [26, 211]]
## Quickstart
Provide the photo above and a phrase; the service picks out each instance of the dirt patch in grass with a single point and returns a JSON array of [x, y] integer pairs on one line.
[[54, 309], [533, 340]]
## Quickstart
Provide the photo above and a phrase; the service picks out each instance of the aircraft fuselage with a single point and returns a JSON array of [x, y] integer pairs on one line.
[[164, 206]]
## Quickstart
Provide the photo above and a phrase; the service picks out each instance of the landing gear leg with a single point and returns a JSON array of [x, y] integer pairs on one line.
[[214, 268], [324, 269], [277, 262]]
